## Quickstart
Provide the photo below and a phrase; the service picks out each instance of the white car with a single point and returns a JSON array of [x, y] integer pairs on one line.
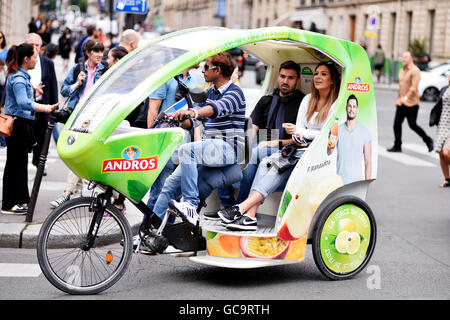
[[432, 81]]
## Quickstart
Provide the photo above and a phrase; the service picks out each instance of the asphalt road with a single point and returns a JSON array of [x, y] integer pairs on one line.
[[411, 258]]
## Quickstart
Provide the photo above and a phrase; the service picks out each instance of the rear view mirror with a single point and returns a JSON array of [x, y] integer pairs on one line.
[[198, 95]]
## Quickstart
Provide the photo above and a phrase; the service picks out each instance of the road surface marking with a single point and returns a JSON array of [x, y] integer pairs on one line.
[[421, 149], [404, 158], [19, 270]]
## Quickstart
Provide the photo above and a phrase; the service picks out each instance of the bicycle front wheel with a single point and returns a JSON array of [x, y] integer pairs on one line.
[[66, 261]]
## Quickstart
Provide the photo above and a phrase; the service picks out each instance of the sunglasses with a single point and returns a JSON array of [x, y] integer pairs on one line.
[[206, 67]]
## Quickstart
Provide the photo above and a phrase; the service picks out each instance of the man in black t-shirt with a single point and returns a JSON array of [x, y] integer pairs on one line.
[[272, 114]]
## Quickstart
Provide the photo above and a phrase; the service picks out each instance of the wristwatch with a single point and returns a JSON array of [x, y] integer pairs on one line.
[[195, 113]]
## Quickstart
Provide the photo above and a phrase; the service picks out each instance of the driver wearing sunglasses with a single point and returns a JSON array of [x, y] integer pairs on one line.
[[223, 116]]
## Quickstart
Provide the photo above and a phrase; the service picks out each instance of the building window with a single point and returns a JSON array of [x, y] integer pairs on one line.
[[409, 16], [431, 17], [393, 26], [352, 27]]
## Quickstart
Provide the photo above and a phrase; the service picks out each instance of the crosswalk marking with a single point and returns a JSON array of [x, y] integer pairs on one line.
[[421, 149], [19, 270], [405, 158]]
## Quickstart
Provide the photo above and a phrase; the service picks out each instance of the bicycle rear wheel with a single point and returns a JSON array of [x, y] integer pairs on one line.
[[64, 258]]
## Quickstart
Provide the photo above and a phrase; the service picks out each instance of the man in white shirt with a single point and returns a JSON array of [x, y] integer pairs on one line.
[[354, 147], [43, 79]]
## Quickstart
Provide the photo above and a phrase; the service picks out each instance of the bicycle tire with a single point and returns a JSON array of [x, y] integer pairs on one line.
[[322, 252], [60, 239]]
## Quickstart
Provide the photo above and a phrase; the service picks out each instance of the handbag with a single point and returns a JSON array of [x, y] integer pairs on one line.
[[435, 114], [287, 159], [6, 125], [6, 121]]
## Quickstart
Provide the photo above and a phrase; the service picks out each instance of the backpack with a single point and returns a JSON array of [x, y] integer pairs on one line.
[[138, 117]]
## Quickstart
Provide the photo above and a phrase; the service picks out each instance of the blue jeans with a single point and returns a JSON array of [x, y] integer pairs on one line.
[[2, 142], [183, 181], [268, 180], [226, 194]]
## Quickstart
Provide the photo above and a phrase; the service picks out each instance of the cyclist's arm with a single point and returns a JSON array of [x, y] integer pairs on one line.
[[153, 109]]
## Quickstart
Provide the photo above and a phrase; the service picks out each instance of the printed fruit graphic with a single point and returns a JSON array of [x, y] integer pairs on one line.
[[353, 243], [323, 188], [347, 225], [222, 245], [332, 140], [341, 241], [298, 217], [264, 247], [347, 242], [296, 250]]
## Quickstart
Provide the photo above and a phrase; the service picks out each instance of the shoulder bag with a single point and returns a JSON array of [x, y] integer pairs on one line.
[[6, 121]]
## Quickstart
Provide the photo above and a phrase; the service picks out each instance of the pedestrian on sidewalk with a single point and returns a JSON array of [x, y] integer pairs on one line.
[[78, 82], [443, 135], [379, 61], [407, 103], [65, 47], [43, 74], [20, 103], [2, 88]]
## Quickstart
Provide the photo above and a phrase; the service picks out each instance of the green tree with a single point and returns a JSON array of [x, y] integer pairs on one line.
[[418, 47]]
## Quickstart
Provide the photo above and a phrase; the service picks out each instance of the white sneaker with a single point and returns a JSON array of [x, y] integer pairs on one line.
[[57, 202], [187, 210]]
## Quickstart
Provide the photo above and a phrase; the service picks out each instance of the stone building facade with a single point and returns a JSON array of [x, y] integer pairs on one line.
[[399, 23], [14, 18]]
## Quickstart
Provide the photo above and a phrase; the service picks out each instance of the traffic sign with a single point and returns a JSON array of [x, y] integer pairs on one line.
[[131, 6]]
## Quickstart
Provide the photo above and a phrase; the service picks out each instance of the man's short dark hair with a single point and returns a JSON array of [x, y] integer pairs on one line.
[[90, 29], [352, 96], [224, 60], [291, 65]]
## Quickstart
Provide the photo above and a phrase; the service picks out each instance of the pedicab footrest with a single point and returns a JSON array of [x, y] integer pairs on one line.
[[266, 226]]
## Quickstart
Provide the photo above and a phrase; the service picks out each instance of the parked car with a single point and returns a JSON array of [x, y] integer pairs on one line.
[[432, 81], [250, 60], [239, 59]]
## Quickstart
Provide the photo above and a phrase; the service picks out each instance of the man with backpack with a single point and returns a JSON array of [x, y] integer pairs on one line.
[[91, 31]]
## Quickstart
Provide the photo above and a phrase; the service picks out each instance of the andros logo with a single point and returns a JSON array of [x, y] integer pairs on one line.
[[130, 162], [358, 86]]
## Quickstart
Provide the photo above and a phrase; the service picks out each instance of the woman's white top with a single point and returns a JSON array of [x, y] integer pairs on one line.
[[309, 129]]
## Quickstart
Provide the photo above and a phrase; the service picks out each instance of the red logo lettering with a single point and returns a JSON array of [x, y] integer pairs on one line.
[[125, 165], [358, 87]]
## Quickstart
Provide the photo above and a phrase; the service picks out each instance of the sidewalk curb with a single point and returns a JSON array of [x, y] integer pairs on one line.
[[24, 235]]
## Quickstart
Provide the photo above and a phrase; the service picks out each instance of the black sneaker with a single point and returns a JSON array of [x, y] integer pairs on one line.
[[244, 223], [395, 149], [16, 210], [430, 145], [211, 216], [229, 214]]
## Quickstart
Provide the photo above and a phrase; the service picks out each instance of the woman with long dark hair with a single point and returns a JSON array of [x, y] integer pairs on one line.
[[19, 103]]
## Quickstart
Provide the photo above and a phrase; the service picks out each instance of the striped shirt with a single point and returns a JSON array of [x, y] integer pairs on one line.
[[228, 120]]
